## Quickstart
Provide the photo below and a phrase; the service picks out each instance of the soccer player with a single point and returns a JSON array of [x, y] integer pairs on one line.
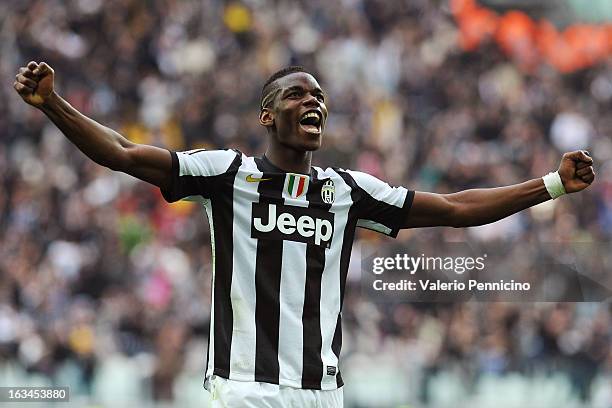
[[282, 232]]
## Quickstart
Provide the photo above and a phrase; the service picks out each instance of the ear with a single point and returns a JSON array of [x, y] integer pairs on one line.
[[266, 117]]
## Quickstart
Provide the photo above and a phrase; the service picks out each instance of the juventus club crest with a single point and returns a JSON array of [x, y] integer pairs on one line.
[[328, 192]]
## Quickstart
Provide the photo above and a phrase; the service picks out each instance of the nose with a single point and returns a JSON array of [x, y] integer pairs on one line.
[[311, 100]]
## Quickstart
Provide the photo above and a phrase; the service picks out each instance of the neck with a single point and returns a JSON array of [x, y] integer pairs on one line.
[[290, 160]]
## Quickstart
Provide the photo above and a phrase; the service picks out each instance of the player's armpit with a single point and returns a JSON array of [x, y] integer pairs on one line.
[[430, 210], [148, 163]]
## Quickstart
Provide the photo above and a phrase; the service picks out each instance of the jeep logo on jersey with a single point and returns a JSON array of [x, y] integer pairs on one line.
[[284, 222], [328, 192]]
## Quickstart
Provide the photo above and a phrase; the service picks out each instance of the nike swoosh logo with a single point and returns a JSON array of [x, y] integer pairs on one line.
[[252, 179]]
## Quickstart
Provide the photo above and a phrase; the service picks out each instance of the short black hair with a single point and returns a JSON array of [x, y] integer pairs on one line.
[[270, 85]]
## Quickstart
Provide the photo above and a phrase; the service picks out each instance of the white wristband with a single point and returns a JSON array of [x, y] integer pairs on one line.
[[554, 185]]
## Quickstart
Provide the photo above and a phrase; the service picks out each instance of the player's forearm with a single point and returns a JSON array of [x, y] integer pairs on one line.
[[99, 143], [483, 206]]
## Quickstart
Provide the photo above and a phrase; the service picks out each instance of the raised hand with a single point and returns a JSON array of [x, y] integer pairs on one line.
[[34, 83], [576, 171]]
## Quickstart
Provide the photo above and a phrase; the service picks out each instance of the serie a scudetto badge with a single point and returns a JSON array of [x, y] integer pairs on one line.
[[297, 185]]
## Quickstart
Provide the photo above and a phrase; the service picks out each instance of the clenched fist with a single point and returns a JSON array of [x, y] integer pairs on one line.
[[34, 83], [576, 171]]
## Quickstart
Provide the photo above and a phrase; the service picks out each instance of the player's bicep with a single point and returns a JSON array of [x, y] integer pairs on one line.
[[380, 206], [149, 163], [430, 210], [197, 173]]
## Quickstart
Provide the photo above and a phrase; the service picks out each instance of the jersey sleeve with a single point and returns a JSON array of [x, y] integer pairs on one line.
[[195, 173], [381, 207]]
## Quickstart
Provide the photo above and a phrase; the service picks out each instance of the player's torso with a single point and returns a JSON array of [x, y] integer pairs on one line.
[[286, 252]]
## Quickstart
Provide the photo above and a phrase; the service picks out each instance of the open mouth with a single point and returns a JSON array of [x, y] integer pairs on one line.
[[311, 122]]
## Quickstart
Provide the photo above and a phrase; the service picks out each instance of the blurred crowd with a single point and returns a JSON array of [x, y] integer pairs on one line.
[[105, 287]]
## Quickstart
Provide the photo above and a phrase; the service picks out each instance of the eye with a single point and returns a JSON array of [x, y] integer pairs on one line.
[[295, 94], [320, 97]]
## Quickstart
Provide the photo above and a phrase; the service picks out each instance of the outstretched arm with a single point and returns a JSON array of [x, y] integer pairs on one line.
[[482, 206], [106, 147]]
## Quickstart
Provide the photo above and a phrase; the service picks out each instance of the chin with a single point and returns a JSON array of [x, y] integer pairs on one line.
[[312, 145], [312, 148], [311, 141], [303, 141]]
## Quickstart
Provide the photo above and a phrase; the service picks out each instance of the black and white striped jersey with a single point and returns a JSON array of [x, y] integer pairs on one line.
[[281, 245]]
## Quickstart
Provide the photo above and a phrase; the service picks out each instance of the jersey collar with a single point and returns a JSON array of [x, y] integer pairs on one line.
[[268, 166]]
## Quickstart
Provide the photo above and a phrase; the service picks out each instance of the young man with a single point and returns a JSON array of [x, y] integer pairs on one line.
[[282, 232]]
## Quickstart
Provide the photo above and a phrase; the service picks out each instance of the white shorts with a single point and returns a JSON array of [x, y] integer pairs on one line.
[[243, 394]]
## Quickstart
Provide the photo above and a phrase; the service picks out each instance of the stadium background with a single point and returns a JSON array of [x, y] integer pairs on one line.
[[105, 288]]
